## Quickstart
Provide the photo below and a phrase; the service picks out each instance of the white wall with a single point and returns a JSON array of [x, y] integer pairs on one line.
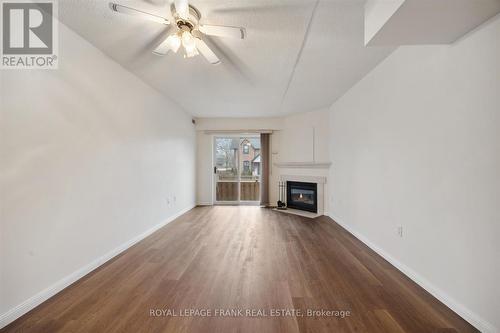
[[417, 143], [296, 138], [204, 167], [89, 155]]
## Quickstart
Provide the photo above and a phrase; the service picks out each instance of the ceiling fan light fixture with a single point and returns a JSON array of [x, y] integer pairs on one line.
[[188, 40], [174, 42], [189, 44], [189, 33], [191, 52]]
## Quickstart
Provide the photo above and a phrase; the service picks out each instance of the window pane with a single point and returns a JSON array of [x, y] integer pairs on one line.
[[226, 162]]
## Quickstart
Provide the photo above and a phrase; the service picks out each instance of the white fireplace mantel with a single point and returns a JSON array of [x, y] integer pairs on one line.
[[303, 165], [306, 179]]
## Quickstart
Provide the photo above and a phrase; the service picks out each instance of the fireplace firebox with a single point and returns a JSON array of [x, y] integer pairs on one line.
[[303, 196]]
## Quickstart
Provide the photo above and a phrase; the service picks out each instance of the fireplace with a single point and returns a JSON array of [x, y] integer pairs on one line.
[[303, 196]]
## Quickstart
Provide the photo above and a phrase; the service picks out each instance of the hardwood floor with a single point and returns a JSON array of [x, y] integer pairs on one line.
[[246, 258]]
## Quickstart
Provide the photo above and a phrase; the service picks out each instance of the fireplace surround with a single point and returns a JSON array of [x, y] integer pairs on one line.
[[302, 196], [320, 182]]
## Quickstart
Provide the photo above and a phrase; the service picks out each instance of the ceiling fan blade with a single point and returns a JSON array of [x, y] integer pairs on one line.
[[207, 52], [138, 13], [223, 31], [182, 8]]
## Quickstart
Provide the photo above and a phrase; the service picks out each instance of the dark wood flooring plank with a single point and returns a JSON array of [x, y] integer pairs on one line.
[[244, 258]]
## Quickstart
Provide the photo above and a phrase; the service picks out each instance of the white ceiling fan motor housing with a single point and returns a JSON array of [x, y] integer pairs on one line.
[[190, 23]]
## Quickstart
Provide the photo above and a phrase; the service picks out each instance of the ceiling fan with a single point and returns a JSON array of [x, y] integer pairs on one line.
[[187, 32]]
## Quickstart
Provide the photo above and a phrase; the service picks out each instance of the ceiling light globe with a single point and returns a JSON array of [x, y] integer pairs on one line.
[[188, 40], [174, 42], [191, 52]]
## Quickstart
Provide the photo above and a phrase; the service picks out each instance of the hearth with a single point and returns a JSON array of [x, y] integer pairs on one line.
[[302, 196]]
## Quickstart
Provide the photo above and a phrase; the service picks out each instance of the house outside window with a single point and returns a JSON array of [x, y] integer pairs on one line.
[[246, 167], [249, 158]]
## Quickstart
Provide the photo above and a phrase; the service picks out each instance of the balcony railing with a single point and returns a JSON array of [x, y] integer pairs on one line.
[[227, 189]]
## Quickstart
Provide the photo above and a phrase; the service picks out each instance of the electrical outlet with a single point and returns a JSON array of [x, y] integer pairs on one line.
[[168, 201], [175, 199], [400, 231]]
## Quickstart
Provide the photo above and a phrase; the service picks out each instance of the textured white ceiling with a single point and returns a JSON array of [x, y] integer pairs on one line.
[[299, 55], [414, 22]]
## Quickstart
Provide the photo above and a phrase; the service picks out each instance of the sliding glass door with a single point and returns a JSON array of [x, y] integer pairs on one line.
[[226, 169], [249, 169], [237, 168]]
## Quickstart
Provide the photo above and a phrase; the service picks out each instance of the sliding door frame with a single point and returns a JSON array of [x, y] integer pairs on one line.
[[239, 136]]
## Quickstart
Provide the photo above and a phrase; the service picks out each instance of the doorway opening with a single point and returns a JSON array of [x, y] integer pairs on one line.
[[237, 169]]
